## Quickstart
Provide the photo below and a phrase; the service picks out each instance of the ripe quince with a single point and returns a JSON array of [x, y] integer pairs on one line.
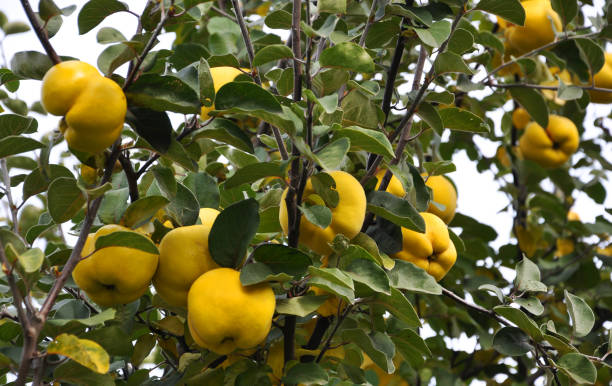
[[223, 315], [433, 250], [538, 29], [347, 216], [550, 147], [395, 187], [603, 79], [183, 257], [221, 76], [113, 275], [520, 118], [93, 106], [444, 193]]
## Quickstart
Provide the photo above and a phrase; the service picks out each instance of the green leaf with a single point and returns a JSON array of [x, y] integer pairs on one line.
[[511, 341], [108, 35], [511, 10], [30, 64], [281, 258], [528, 277], [226, 131], [397, 304], [256, 171], [74, 373], [232, 232], [592, 54], [127, 239], [95, 11], [256, 273], [13, 124], [246, 96], [450, 62], [163, 93], [531, 304], [31, 260], [372, 141], [407, 276], [568, 92], [331, 6], [142, 210], [332, 155], [370, 274], [396, 210], [567, 10], [236, 157], [359, 110], [519, 318], [333, 280], [300, 305], [205, 189], [325, 187], [533, 102], [165, 180], [582, 316], [347, 55], [113, 206], [462, 120], [65, 199], [377, 346], [329, 103], [318, 215], [272, 53], [436, 34], [153, 126], [206, 83], [86, 352], [578, 367], [496, 290], [363, 242], [15, 27], [428, 113], [461, 41], [411, 346], [306, 373], [278, 20], [15, 144], [184, 207]]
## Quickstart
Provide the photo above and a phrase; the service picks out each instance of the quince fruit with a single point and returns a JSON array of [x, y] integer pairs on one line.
[[93, 106], [538, 29], [566, 246], [347, 216], [443, 193], [550, 147], [603, 79], [113, 275], [520, 118], [221, 76], [183, 257], [223, 315], [433, 250], [395, 187]]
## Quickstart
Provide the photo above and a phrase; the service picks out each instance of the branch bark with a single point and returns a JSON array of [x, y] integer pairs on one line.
[[40, 32]]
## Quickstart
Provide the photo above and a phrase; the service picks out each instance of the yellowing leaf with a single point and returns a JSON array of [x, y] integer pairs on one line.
[[84, 351]]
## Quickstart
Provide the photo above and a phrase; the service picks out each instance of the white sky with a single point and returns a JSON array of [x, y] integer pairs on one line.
[[478, 192]]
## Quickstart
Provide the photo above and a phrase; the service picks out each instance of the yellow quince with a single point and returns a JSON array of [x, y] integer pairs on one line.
[[93, 106], [223, 315], [550, 147]]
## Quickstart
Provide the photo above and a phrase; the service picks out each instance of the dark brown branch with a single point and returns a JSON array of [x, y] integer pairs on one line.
[[341, 318], [131, 176], [40, 32]]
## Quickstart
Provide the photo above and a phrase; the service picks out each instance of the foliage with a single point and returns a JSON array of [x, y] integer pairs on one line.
[[333, 84]]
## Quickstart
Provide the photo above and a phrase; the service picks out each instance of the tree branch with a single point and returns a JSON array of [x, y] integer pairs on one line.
[[40, 32], [130, 174], [132, 75], [475, 307], [366, 29], [9, 195]]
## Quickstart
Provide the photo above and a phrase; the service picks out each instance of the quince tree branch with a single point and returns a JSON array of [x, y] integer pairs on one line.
[[544, 87], [40, 32]]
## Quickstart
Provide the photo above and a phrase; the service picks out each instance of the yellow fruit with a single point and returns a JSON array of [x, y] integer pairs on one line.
[[520, 118], [603, 79], [183, 257], [502, 156], [529, 239], [443, 193], [347, 216], [433, 250], [551, 147], [395, 187], [89, 174], [573, 216], [114, 275], [606, 251], [330, 307], [564, 247], [537, 31], [221, 76], [223, 315], [93, 106]]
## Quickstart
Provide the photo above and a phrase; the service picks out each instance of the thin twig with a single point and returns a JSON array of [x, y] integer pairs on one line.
[[9, 195], [475, 307], [132, 75], [366, 29], [341, 318], [40, 32], [543, 87]]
